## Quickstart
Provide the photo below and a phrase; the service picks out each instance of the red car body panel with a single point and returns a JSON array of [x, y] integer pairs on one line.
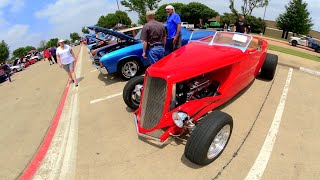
[[230, 66]]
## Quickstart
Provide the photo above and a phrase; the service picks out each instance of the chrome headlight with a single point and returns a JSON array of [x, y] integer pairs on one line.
[[179, 118]]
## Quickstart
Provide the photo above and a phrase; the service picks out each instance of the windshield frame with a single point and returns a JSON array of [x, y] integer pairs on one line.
[[211, 42]]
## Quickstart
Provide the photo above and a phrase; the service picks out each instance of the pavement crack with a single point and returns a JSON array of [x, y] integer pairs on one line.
[[235, 154]]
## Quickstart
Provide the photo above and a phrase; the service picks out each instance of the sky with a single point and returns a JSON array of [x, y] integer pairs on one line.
[[27, 22]]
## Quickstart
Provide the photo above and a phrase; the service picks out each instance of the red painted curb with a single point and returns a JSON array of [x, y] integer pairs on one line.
[[33, 166]]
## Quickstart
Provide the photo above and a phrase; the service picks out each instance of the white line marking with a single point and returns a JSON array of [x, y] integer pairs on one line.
[[261, 162], [310, 71], [94, 70], [105, 98]]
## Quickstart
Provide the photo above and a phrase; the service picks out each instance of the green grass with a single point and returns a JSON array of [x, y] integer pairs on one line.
[[281, 39], [294, 52]]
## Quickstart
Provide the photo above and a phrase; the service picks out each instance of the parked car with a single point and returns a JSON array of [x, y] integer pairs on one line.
[[187, 25], [176, 96], [16, 68], [125, 57], [303, 41], [3, 76]]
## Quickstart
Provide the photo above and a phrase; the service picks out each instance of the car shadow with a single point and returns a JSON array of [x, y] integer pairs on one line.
[[80, 79], [109, 78], [129, 110]]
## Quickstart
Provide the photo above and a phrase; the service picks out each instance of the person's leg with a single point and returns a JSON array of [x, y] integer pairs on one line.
[[55, 59], [51, 60], [152, 55], [73, 74], [9, 77], [171, 46], [161, 52]]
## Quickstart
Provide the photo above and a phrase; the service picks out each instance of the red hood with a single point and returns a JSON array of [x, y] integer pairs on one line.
[[194, 59]]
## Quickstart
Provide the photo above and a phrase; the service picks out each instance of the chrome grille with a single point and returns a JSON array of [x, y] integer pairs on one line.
[[153, 102]]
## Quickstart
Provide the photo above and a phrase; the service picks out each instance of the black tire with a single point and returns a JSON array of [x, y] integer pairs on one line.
[[123, 69], [317, 49], [14, 70], [198, 145], [128, 91], [294, 43], [269, 66]]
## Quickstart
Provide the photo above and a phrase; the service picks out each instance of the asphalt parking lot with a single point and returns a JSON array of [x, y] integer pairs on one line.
[[96, 136]]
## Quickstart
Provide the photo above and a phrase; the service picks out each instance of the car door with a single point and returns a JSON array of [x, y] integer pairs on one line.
[[303, 41]]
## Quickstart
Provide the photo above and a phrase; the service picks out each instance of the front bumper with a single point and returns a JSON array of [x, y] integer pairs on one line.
[[103, 70], [143, 135]]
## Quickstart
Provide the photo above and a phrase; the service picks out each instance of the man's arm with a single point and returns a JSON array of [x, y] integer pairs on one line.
[[178, 32], [164, 41], [145, 45]]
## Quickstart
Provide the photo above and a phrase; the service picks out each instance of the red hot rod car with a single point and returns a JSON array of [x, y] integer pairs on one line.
[[178, 94]]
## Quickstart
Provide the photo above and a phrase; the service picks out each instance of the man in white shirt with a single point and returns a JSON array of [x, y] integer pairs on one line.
[[66, 59]]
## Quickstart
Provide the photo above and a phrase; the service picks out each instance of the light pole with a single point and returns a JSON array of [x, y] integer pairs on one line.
[[119, 10], [118, 5]]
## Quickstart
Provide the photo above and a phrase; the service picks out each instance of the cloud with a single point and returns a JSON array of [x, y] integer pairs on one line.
[[18, 35], [70, 16]]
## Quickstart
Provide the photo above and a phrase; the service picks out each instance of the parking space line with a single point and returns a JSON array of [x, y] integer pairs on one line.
[[310, 71], [105, 98], [261, 162]]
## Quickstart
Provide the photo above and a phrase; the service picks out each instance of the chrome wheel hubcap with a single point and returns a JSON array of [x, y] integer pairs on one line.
[[130, 69], [136, 94], [219, 142]]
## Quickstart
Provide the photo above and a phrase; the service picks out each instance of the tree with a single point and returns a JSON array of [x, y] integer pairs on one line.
[[74, 36], [228, 18], [161, 14], [141, 7], [257, 24], [67, 41], [85, 30], [20, 52], [296, 19], [123, 17], [112, 19], [29, 48], [4, 51], [195, 11], [52, 42], [248, 6], [42, 45]]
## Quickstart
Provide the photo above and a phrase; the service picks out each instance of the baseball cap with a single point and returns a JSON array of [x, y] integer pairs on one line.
[[169, 7], [61, 40]]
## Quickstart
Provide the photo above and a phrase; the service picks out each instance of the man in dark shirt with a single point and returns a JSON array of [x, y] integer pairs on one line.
[[6, 70], [153, 36], [240, 26], [53, 53]]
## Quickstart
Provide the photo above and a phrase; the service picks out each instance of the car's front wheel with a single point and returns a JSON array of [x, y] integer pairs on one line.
[[132, 92], [129, 69], [209, 138], [294, 43], [14, 70], [317, 50], [269, 66]]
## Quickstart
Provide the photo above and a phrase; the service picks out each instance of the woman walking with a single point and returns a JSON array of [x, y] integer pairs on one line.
[[66, 59]]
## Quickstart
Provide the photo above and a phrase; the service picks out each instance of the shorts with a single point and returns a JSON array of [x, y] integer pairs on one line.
[[69, 67]]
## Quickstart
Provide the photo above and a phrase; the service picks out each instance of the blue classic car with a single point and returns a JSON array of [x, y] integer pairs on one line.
[[125, 57]]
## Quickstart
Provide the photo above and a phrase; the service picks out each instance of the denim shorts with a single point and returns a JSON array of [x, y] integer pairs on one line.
[[69, 67]]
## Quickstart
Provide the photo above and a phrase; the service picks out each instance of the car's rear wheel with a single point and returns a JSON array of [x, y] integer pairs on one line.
[[129, 69], [294, 43], [132, 92], [317, 50], [209, 138], [269, 67]]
